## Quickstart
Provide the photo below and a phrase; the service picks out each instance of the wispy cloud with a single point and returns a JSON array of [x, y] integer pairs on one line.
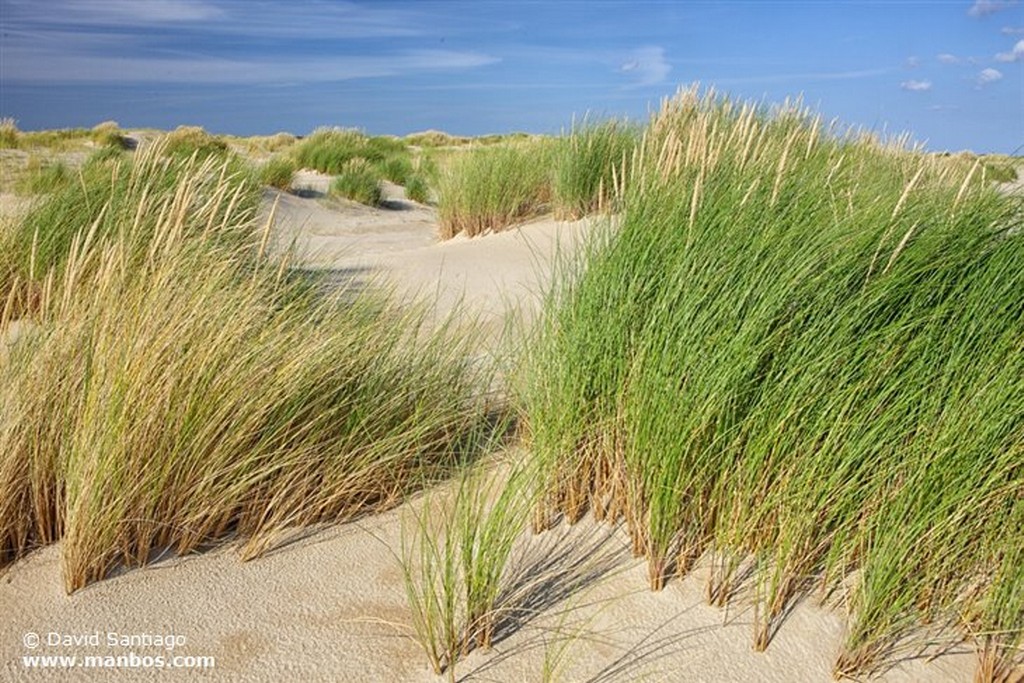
[[311, 19], [119, 12], [804, 76], [1012, 30], [114, 41], [646, 66], [986, 76], [982, 8], [912, 62], [916, 86], [946, 58], [29, 65], [1014, 55]]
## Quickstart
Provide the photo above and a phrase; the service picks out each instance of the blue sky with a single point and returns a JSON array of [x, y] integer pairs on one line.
[[951, 73]]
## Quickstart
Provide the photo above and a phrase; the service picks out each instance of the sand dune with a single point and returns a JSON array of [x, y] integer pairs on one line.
[[331, 606]]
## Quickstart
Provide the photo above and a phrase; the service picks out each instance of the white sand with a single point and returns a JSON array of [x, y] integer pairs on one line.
[[331, 606]]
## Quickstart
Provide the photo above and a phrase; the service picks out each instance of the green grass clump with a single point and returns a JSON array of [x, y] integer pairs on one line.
[[105, 155], [492, 188], [800, 349], [417, 189], [108, 134], [359, 181], [397, 169], [586, 164], [329, 149], [277, 172], [9, 133], [185, 141], [128, 420]]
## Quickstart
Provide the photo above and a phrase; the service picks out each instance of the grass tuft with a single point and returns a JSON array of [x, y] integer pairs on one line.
[[489, 189], [9, 133], [43, 178], [184, 141], [359, 181], [417, 189], [455, 558], [277, 172], [108, 134], [329, 150], [586, 164]]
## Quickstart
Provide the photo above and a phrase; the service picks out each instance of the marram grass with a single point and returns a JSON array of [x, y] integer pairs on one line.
[[173, 386], [456, 558], [586, 166], [359, 181], [489, 189], [801, 348]]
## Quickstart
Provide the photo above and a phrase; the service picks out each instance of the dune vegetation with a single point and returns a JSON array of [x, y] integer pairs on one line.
[[174, 383], [492, 187], [789, 352], [358, 162], [277, 172], [799, 351]]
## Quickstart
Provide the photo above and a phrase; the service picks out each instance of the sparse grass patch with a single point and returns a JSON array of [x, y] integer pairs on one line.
[[436, 138], [43, 178], [454, 558], [999, 170], [264, 144], [59, 140], [359, 181]]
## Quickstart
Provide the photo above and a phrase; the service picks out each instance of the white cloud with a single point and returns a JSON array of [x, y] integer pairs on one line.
[[916, 86], [913, 62], [1014, 55], [646, 66], [987, 76], [946, 58], [1012, 31], [982, 8]]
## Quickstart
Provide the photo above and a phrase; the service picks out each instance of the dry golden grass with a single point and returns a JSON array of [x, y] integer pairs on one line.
[[178, 386]]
